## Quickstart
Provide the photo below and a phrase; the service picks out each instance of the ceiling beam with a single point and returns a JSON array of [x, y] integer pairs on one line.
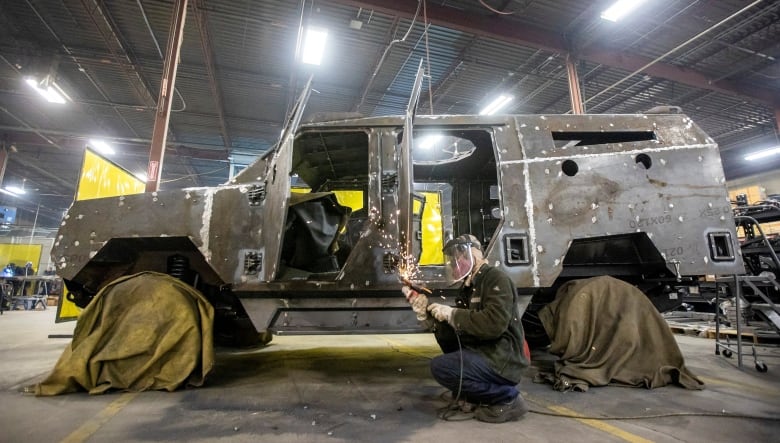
[[30, 128], [31, 165], [485, 26], [439, 89], [69, 140], [376, 64], [208, 57], [115, 43], [528, 35], [680, 74]]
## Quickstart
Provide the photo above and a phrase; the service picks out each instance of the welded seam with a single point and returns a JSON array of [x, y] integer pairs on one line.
[[608, 154], [529, 210], [205, 229]]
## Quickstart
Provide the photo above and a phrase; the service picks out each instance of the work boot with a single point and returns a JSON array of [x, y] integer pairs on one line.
[[502, 412]]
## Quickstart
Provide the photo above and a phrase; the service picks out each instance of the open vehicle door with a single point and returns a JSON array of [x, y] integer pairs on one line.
[[405, 175]]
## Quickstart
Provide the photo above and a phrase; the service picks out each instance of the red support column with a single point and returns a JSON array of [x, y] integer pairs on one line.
[[777, 119], [160, 131], [577, 105], [3, 162]]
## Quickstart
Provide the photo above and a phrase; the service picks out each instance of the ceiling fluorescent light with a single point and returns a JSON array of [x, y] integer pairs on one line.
[[15, 190], [314, 45], [762, 154], [101, 147], [52, 93], [620, 9], [496, 104]]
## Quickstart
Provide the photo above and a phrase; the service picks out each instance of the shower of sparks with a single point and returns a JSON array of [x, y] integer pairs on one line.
[[407, 263], [407, 268]]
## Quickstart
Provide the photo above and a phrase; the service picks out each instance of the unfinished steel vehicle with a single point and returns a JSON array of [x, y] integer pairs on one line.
[[312, 237]]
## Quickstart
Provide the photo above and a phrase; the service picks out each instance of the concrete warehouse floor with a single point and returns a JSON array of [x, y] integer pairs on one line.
[[366, 388]]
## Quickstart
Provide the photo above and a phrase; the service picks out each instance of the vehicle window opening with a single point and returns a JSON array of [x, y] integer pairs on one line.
[[565, 139], [456, 172], [327, 203]]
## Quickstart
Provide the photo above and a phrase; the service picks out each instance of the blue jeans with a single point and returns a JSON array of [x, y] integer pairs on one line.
[[478, 383]]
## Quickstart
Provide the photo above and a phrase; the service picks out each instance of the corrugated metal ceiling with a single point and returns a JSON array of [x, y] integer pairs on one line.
[[107, 55]]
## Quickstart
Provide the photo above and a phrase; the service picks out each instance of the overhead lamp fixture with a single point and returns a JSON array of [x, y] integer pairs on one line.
[[16, 190], [314, 45], [101, 147], [355, 24], [620, 9], [494, 106], [48, 90], [761, 154]]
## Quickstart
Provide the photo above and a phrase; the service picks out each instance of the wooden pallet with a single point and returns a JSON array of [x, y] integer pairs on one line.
[[683, 329], [756, 336], [706, 329]]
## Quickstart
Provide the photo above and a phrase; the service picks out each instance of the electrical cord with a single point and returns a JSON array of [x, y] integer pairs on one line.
[[668, 414], [453, 411], [494, 10], [384, 54]]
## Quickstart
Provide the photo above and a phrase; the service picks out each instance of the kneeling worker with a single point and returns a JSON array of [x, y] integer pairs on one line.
[[482, 337]]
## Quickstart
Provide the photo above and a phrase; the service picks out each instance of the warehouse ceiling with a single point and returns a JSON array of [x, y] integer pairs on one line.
[[238, 75]]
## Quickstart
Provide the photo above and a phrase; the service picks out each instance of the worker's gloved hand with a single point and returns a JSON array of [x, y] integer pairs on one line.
[[440, 312], [418, 301]]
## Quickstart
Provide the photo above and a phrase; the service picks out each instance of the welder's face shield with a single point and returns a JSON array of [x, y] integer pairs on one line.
[[458, 261]]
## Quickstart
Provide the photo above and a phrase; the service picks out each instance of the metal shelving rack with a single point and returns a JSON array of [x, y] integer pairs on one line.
[[740, 282]]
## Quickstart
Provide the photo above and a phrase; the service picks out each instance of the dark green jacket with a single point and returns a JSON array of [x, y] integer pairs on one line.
[[487, 322]]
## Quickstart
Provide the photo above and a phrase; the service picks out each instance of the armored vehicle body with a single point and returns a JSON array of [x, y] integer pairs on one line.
[[312, 237]]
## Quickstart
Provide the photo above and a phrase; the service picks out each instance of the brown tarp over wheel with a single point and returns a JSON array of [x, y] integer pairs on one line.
[[606, 331], [141, 332]]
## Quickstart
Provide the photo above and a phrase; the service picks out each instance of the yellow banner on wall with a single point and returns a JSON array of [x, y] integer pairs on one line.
[[99, 178], [20, 254], [103, 178]]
